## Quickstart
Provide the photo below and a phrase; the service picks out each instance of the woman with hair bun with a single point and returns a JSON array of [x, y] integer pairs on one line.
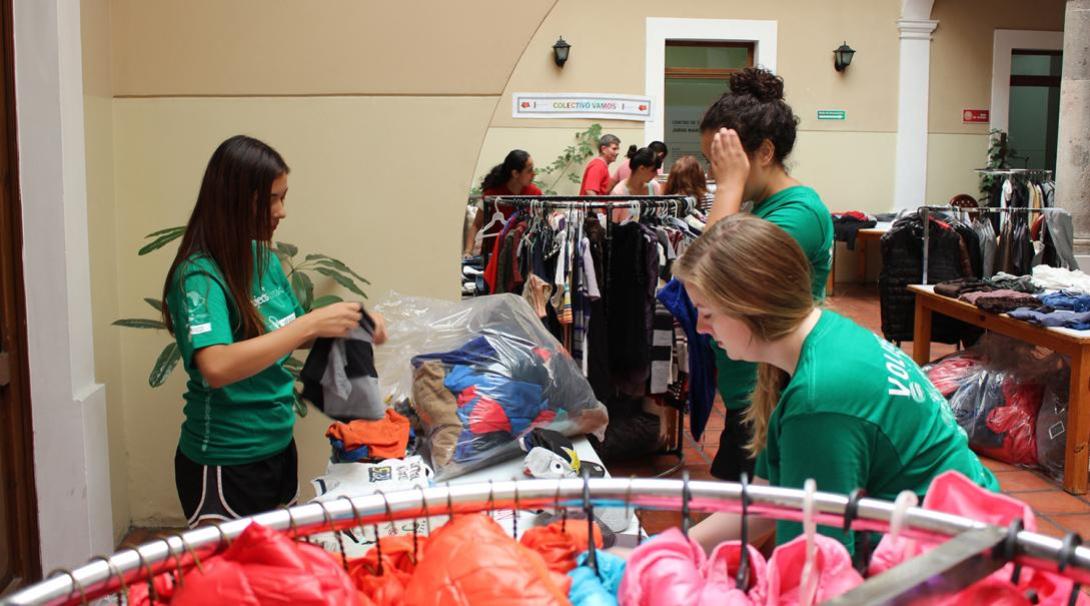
[[746, 137]]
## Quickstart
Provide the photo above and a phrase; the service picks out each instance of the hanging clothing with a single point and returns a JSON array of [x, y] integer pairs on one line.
[[955, 494], [263, 566], [987, 240], [701, 363]]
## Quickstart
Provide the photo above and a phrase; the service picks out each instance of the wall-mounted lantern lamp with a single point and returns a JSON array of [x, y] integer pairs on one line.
[[842, 57], [560, 52]]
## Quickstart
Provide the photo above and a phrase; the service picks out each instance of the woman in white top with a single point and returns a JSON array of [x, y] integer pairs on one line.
[[641, 181]]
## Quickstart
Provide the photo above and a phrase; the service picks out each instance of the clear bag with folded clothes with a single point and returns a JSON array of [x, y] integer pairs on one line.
[[476, 375], [1052, 423], [998, 401]]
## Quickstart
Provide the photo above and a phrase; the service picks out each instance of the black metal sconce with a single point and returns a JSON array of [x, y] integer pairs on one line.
[[842, 57], [560, 52]]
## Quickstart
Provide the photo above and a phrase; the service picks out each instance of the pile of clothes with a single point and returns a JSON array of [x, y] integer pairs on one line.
[[472, 403], [365, 440], [846, 225], [1021, 297]]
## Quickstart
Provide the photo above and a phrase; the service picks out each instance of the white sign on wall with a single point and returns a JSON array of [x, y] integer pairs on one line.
[[580, 105]]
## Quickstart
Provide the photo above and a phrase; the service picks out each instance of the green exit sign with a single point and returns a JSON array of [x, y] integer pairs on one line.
[[831, 114]]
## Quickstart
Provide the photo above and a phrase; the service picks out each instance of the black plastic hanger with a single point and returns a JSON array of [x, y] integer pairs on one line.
[[588, 508], [741, 578], [1067, 552], [862, 544], [686, 496]]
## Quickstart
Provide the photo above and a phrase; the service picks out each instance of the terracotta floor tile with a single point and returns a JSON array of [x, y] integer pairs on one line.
[[1054, 502], [1079, 523], [1048, 528], [1022, 481], [995, 466]]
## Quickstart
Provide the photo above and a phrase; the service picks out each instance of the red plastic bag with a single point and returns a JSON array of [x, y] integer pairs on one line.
[[264, 567]]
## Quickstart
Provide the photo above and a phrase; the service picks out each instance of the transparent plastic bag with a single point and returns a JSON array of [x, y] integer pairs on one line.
[[998, 398], [478, 374], [1052, 424]]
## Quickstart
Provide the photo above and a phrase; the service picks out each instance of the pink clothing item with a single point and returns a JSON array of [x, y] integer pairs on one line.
[[953, 493], [832, 566], [672, 570]]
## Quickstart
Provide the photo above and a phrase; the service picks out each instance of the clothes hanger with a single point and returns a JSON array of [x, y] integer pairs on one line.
[[497, 217], [563, 511], [515, 513], [901, 504], [1067, 551], [359, 522], [123, 588], [1010, 548], [153, 594], [862, 544], [588, 509], [336, 533], [427, 521], [75, 584], [187, 548], [741, 578], [808, 583], [627, 501], [178, 573], [686, 496]]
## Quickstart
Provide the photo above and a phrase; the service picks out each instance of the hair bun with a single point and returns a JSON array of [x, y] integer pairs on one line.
[[758, 83]]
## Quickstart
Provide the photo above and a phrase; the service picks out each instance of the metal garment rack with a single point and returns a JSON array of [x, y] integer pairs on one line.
[[925, 212], [609, 203], [969, 550]]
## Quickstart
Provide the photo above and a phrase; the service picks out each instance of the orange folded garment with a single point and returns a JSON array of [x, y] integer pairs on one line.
[[384, 438]]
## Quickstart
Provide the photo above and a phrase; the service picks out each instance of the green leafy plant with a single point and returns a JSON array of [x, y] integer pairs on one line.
[[999, 154], [300, 275]]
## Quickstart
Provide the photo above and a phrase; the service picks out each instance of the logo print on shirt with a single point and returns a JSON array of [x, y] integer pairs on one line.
[[900, 383]]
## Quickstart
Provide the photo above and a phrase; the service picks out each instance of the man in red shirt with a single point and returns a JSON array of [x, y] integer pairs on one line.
[[596, 179]]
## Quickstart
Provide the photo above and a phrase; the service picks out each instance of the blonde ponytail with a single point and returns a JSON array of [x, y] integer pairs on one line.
[[752, 270]]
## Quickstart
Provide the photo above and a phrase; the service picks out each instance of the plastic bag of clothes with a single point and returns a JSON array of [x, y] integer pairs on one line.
[[478, 374], [997, 399], [1052, 423]]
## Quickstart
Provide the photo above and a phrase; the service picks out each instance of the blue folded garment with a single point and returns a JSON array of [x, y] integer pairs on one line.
[[1071, 302], [1060, 318]]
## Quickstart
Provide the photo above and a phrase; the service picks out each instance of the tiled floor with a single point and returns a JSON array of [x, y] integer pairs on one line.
[[1057, 512]]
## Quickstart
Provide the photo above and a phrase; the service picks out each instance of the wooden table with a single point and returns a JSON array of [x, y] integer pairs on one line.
[[862, 237], [1072, 343]]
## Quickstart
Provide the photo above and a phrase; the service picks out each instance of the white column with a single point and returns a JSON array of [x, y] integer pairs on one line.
[[1073, 147], [71, 468], [910, 176]]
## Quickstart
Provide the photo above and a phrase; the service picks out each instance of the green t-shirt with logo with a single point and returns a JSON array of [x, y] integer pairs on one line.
[[801, 213], [859, 413], [251, 419]]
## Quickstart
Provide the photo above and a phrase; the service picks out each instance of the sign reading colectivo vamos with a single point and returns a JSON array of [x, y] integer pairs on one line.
[[580, 105]]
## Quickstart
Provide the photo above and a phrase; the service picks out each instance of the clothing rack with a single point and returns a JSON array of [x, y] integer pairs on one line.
[[970, 549], [609, 203], [1014, 171], [925, 212]]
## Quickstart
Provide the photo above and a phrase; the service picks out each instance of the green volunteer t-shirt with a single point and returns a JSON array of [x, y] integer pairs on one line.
[[859, 413], [253, 418], [799, 211]]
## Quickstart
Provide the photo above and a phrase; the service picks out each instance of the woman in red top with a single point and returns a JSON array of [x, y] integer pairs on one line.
[[512, 178]]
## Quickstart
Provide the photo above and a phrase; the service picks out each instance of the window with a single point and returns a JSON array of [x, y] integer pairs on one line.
[[697, 73], [1034, 107]]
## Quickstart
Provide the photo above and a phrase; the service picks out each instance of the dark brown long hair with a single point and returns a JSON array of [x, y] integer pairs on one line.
[[232, 212]]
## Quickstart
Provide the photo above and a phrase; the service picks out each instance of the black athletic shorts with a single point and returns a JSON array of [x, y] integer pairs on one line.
[[226, 492], [732, 458]]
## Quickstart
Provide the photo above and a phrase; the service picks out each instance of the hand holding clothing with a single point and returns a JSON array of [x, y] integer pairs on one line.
[[336, 320]]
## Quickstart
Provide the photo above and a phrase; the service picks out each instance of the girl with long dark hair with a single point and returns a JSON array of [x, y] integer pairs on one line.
[[236, 320]]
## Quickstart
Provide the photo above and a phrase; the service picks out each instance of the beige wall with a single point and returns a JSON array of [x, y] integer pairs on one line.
[[961, 55], [102, 241]]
